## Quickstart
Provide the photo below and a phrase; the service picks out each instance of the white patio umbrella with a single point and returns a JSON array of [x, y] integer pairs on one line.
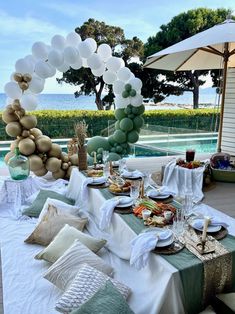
[[213, 48]]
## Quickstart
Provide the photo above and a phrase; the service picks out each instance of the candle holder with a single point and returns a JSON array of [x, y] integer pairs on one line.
[[205, 247]]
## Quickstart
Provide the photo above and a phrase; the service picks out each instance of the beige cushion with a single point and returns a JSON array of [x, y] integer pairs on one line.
[[65, 269], [64, 239], [51, 223], [62, 208], [86, 283]]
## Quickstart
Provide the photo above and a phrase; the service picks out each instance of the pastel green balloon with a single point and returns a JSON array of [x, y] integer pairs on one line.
[[132, 136], [125, 94], [119, 136], [97, 142], [126, 124], [111, 140], [138, 122], [114, 157], [128, 109], [133, 93], [128, 87], [119, 113], [117, 125]]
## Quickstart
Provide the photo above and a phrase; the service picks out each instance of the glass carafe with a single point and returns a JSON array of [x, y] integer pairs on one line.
[[18, 166]]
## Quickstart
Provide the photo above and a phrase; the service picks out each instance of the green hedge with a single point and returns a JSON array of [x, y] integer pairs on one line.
[[60, 123]]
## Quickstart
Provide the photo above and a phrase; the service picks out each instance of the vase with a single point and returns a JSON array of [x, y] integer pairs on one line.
[[82, 158], [18, 166]]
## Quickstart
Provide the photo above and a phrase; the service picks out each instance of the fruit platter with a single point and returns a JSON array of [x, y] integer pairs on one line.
[[157, 209], [189, 165], [119, 186], [95, 173]]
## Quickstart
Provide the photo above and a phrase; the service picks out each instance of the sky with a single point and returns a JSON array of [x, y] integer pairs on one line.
[[24, 22]]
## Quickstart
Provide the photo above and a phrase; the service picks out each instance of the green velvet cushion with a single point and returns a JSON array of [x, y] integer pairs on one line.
[[35, 209], [107, 300]]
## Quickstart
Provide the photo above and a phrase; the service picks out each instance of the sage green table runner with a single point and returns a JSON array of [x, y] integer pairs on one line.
[[189, 266]]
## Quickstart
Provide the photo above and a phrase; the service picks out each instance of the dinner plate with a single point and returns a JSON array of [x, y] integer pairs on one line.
[[124, 201], [210, 229], [167, 242], [98, 182], [157, 195]]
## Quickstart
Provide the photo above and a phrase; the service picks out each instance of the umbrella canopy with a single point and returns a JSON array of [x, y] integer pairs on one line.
[[213, 48]]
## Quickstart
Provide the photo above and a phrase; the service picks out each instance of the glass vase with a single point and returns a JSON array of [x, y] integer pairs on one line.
[[18, 166]]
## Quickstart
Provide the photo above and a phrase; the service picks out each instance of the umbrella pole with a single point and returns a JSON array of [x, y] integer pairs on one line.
[[226, 56]]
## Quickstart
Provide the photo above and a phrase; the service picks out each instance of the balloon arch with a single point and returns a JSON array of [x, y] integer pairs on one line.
[[28, 80]]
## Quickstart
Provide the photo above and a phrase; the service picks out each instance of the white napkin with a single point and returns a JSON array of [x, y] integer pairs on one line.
[[84, 189], [143, 244], [132, 174], [199, 222], [107, 210]]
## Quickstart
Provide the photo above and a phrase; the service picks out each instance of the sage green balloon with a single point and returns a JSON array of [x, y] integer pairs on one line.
[[128, 87], [119, 113], [97, 142], [138, 122], [119, 136], [133, 93], [126, 124], [119, 149], [111, 140], [132, 136], [131, 116], [114, 157], [125, 94], [141, 109], [99, 157], [135, 110], [100, 150], [117, 125], [128, 109], [113, 149]]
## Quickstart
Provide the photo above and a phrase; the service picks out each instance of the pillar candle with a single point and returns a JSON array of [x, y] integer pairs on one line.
[[204, 232], [95, 161]]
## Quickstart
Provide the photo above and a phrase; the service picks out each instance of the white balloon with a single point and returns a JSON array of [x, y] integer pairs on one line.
[[44, 69], [100, 71], [13, 90], [92, 43], [63, 68], [105, 51], [51, 70], [70, 55], [55, 58], [36, 85], [78, 64], [23, 66], [94, 61], [40, 50], [121, 102], [29, 102], [9, 101], [30, 58], [58, 42], [73, 39], [122, 62], [114, 64], [109, 77], [135, 83], [118, 87], [84, 63], [124, 74], [85, 49], [137, 100]]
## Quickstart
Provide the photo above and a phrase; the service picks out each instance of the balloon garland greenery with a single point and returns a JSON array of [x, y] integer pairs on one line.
[[28, 81]]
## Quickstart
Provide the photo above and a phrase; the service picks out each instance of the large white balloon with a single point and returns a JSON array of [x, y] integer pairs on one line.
[[118, 87], [109, 77], [85, 49], [73, 39], [100, 71], [63, 68], [58, 42], [94, 61], [84, 63], [78, 64], [121, 102], [30, 58], [23, 66], [36, 85], [70, 55], [40, 50], [114, 64], [137, 100], [29, 102], [13, 90], [104, 51], [124, 74], [55, 58], [136, 83], [44, 69], [92, 43]]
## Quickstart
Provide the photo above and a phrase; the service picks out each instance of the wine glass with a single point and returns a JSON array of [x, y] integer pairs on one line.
[[122, 165], [105, 156], [106, 170], [134, 192]]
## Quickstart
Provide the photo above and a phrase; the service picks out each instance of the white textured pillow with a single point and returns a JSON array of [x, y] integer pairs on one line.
[[62, 208], [65, 269], [86, 283], [52, 222], [64, 239]]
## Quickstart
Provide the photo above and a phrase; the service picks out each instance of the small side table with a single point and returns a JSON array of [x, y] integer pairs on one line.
[[14, 193]]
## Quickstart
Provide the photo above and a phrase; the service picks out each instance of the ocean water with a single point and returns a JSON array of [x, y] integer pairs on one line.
[[69, 102]]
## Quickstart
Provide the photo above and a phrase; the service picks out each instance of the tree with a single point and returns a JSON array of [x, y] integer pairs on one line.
[[179, 28], [121, 47]]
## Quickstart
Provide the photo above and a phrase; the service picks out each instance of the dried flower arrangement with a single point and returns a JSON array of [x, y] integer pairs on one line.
[[81, 133]]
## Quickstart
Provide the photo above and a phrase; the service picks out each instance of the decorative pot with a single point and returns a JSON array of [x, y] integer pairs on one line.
[[82, 158]]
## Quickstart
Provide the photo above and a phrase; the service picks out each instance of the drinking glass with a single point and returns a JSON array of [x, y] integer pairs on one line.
[[178, 222], [134, 192], [190, 154], [106, 170], [122, 165], [105, 156], [146, 178], [188, 204]]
